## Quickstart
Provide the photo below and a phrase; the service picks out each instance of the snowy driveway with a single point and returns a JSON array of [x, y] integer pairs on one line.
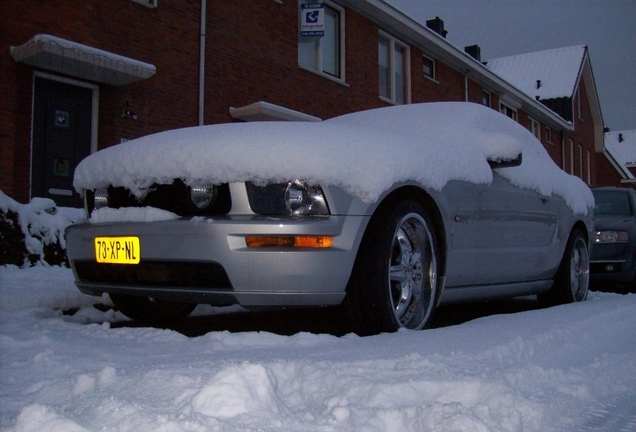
[[569, 368]]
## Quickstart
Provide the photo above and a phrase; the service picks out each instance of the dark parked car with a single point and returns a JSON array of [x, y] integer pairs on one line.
[[613, 259], [389, 212]]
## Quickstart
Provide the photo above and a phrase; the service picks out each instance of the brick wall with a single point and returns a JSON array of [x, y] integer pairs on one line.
[[167, 37], [251, 55]]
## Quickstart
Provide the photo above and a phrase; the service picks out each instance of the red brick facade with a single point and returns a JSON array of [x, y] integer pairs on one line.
[[251, 55]]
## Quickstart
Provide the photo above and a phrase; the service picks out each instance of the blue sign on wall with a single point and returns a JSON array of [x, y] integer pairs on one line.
[[312, 20]]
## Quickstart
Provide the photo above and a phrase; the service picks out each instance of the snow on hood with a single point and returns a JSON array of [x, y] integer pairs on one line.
[[364, 153]]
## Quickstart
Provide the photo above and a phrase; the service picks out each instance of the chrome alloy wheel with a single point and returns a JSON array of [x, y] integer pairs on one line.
[[579, 270], [412, 272]]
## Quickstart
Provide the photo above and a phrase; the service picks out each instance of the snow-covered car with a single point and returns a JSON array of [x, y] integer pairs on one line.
[[613, 257], [388, 212]]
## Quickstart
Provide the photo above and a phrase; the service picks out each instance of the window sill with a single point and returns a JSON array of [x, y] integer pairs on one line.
[[389, 101], [431, 79], [324, 75]]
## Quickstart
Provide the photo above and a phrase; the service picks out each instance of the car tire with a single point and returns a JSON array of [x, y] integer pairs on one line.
[[395, 280], [148, 310], [572, 281]]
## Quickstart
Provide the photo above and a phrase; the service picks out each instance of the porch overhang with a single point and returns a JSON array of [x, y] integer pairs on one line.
[[81, 61]]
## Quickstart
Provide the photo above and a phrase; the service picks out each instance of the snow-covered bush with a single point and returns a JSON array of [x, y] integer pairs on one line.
[[34, 232]]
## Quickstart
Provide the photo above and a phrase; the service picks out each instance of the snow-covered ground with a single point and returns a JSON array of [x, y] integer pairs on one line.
[[568, 368]]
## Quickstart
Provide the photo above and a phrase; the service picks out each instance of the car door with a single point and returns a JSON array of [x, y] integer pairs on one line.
[[516, 230], [460, 207]]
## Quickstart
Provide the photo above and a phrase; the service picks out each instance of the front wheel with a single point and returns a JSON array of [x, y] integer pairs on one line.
[[395, 280], [572, 281], [149, 310]]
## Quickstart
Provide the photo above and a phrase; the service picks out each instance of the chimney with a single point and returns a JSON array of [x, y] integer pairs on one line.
[[474, 51], [620, 138], [437, 25]]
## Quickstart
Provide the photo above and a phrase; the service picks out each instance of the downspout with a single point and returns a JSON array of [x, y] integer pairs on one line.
[[202, 63], [466, 87]]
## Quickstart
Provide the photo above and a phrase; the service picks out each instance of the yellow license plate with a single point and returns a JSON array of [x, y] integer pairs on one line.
[[117, 250]]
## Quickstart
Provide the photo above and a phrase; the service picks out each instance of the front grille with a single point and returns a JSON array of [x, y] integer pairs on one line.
[[150, 273], [174, 198]]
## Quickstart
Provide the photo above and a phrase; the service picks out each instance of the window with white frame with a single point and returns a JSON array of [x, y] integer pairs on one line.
[[580, 162], [393, 69], [548, 135], [485, 98], [325, 55], [571, 157], [429, 67], [534, 127], [508, 111], [589, 167]]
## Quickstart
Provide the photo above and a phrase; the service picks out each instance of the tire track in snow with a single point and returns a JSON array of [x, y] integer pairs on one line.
[[614, 415]]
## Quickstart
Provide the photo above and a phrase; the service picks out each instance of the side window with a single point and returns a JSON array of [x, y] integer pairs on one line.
[[485, 98], [508, 111], [534, 127], [393, 70], [429, 68], [325, 54]]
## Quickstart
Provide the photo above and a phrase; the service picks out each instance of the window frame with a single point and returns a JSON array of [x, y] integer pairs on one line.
[[571, 157], [392, 42], [320, 67], [485, 93], [433, 75], [504, 108], [548, 135], [535, 128], [589, 167]]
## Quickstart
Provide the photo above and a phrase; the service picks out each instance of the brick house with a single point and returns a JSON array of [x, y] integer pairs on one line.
[[620, 150], [83, 75], [562, 80]]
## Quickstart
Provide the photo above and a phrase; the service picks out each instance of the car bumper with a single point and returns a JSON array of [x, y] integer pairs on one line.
[[206, 260], [612, 263]]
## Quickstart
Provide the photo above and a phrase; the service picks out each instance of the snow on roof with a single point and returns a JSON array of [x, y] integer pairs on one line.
[[622, 147], [556, 69], [364, 153]]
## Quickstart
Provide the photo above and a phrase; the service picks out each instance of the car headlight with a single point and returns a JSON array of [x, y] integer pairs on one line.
[[294, 198], [611, 237], [202, 195]]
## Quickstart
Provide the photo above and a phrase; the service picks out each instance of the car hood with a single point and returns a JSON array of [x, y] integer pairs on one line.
[[364, 153], [621, 223]]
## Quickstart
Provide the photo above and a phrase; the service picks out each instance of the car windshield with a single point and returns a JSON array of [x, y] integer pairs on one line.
[[611, 203]]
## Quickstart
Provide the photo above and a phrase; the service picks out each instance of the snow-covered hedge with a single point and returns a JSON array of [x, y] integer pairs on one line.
[[34, 233]]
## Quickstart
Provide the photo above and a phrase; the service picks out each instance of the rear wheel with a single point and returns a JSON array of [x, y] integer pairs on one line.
[[572, 280], [395, 279], [149, 310]]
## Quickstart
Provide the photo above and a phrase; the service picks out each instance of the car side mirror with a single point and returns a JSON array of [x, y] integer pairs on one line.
[[505, 163]]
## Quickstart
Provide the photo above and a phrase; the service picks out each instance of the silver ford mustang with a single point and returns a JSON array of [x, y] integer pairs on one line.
[[400, 209]]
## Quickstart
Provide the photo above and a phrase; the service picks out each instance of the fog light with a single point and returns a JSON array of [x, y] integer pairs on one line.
[[202, 195]]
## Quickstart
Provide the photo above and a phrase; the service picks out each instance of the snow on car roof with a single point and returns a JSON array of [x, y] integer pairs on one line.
[[364, 153]]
